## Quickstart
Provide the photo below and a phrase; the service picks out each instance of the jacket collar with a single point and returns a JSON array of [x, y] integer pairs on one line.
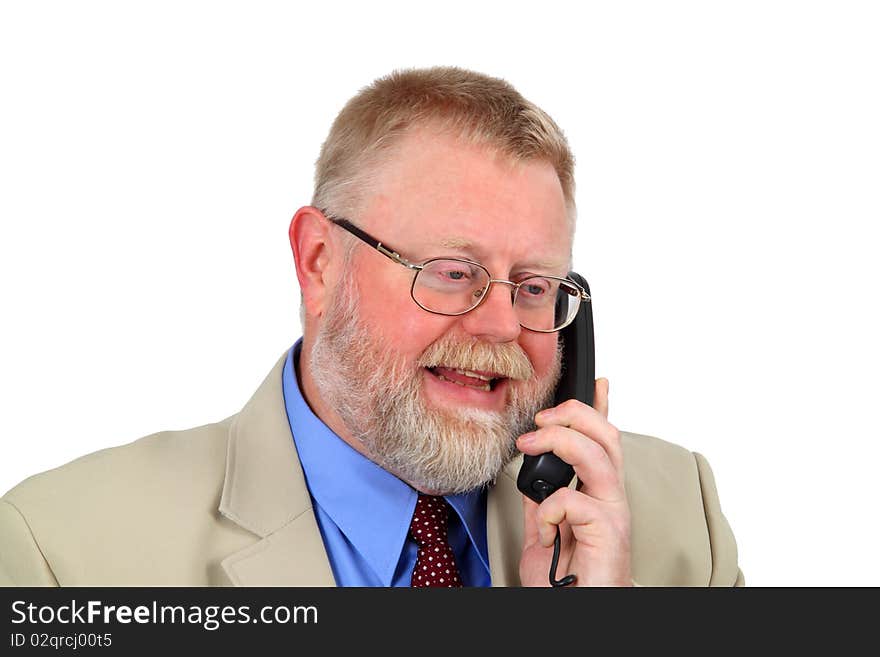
[[264, 491]]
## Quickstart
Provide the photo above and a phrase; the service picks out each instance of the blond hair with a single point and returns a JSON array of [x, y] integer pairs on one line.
[[477, 108]]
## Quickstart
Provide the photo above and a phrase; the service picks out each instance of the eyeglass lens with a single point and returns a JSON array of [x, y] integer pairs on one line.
[[454, 287]]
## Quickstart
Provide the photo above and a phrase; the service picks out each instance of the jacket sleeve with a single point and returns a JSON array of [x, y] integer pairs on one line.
[[725, 570], [21, 561]]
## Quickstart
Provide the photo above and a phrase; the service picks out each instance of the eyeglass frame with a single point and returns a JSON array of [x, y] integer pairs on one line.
[[390, 253]]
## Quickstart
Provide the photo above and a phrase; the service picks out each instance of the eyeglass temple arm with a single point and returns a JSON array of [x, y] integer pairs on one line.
[[369, 239]]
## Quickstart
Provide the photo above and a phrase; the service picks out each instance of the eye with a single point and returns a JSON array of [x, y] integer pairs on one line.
[[535, 287], [452, 272]]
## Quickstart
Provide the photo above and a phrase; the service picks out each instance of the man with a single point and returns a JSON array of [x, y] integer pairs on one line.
[[381, 449]]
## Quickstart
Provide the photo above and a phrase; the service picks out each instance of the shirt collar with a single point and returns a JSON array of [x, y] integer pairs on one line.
[[372, 507]]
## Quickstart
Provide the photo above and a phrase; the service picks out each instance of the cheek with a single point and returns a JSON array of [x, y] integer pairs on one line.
[[541, 350], [382, 298], [398, 320]]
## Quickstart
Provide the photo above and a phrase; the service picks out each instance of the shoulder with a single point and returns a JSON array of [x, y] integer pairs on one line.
[[160, 463], [660, 474], [108, 516], [644, 451], [679, 535]]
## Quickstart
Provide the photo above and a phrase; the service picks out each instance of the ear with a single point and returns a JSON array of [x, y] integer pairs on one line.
[[312, 253]]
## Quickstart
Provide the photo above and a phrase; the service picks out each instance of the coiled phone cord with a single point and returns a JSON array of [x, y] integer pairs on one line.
[[568, 579]]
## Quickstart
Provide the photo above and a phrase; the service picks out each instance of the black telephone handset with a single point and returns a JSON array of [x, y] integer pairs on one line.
[[540, 476]]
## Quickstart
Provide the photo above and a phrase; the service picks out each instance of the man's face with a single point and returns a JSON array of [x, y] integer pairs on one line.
[[438, 197]]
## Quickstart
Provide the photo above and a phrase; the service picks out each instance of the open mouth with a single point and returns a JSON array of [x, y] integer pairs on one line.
[[485, 381]]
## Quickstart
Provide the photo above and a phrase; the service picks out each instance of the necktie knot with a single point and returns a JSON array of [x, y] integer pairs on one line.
[[430, 522], [435, 563]]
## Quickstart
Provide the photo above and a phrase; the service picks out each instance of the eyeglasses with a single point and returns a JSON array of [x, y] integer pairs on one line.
[[454, 286]]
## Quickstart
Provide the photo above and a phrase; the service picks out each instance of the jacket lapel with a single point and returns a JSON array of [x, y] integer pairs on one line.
[[264, 491], [504, 519]]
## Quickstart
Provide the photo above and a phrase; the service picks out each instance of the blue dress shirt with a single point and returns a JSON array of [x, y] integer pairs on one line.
[[364, 512]]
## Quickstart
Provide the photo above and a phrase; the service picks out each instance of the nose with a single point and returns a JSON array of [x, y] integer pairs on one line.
[[495, 319]]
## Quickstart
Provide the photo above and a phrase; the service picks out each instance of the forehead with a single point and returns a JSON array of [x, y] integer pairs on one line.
[[436, 191]]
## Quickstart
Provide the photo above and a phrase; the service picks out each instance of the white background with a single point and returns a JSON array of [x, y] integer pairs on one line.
[[152, 154]]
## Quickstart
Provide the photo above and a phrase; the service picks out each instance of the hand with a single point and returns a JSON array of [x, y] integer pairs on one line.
[[593, 519]]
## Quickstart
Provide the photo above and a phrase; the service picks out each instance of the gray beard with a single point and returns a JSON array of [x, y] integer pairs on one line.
[[378, 397]]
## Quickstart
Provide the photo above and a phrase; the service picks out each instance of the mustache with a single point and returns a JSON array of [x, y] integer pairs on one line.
[[504, 359]]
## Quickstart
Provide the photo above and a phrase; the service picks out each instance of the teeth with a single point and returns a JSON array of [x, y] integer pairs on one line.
[[474, 375], [485, 388]]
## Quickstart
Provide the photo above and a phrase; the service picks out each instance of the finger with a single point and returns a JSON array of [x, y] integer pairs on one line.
[[565, 505], [588, 421], [600, 397], [591, 463], [530, 521]]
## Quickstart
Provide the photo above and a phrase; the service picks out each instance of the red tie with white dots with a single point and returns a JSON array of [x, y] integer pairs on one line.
[[435, 563]]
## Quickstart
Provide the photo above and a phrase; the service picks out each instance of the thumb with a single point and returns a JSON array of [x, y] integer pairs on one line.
[[600, 397], [530, 521]]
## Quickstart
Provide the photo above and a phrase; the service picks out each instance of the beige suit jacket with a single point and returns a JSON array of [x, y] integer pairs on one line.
[[226, 504]]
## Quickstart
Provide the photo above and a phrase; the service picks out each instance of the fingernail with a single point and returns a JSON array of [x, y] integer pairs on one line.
[[527, 438], [545, 414]]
